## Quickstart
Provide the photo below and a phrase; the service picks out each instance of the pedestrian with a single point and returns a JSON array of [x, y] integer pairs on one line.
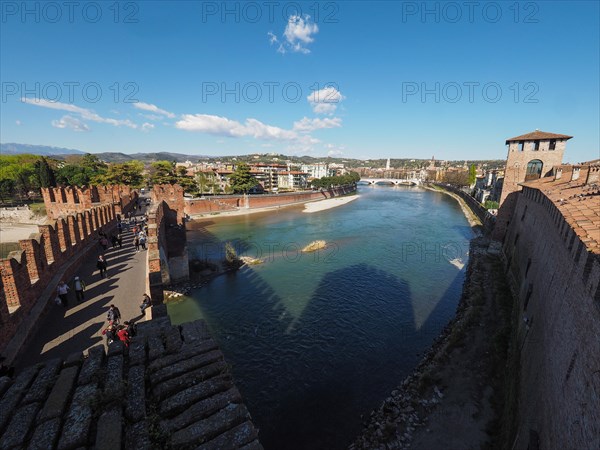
[[110, 332], [104, 243], [101, 265], [143, 241], [119, 227], [146, 303], [123, 335], [131, 328], [114, 240], [113, 315], [136, 243], [79, 288], [120, 240], [63, 291]]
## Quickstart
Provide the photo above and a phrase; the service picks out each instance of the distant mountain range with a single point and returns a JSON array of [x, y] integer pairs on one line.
[[43, 150], [113, 157]]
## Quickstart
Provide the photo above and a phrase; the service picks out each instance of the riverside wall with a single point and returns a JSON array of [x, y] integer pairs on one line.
[[223, 203], [555, 275]]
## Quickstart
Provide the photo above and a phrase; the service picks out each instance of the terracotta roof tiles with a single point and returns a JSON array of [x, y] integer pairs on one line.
[[537, 135]]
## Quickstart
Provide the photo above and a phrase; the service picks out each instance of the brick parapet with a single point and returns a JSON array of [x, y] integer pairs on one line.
[[555, 276], [63, 201], [25, 274]]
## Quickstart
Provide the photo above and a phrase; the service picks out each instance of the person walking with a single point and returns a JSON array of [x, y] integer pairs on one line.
[[120, 240], [102, 266], [63, 291], [79, 288], [143, 240], [104, 243], [110, 333], [136, 243], [113, 315]]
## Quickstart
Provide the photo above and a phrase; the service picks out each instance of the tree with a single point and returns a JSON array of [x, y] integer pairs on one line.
[[45, 173], [472, 175], [162, 172], [129, 173], [241, 180]]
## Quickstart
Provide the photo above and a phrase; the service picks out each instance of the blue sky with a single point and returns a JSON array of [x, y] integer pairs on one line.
[[348, 79]]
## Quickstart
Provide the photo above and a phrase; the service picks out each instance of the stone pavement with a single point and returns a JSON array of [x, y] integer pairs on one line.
[[65, 331]]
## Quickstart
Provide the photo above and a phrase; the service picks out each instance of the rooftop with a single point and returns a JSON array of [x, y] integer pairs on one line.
[[577, 201], [538, 135]]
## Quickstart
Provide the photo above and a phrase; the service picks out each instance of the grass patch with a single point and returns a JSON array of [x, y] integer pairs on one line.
[[39, 209], [7, 247]]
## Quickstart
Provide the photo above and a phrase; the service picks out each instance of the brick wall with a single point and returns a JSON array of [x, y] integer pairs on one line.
[[230, 202], [556, 280], [516, 163], [26, 273]]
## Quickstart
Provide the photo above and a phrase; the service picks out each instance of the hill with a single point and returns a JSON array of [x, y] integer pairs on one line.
[[42, 150]]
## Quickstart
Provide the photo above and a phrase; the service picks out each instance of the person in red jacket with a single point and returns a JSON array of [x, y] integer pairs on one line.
[[123, 335]]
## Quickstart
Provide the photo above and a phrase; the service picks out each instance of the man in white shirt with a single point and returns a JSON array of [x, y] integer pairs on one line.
[[63, 291]]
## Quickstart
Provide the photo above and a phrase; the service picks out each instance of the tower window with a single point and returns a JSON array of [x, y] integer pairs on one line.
[[552, 145], [520, 146], [536, 145], [534, 170]]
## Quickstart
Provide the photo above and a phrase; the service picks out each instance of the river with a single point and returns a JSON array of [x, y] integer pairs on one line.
[[317, 340]]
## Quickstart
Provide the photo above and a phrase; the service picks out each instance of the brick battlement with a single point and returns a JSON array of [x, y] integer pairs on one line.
[[26, 273], [61, 201], [551, 248]]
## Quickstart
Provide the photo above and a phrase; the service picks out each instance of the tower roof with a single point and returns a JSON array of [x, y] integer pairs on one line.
[[537, 135]]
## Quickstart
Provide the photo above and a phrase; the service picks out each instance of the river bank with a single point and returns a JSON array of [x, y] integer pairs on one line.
[[471, 217], [456, 396], [309, 205]]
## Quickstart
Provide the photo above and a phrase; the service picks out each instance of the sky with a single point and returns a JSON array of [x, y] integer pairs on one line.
[[350, 79]]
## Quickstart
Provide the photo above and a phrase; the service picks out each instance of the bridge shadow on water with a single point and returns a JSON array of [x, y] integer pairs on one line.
[[309, 380]]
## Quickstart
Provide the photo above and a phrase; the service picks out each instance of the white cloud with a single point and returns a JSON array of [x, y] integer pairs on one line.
[[298, 34], [18, 123], [307, 125], [85, 114], [70, 122], [326, 100], [153, 117], [223, 126], [147, 126], [154, 109], [251, 128], [334, 150]]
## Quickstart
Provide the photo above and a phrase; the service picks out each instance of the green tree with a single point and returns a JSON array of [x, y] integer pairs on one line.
[[129, 173], [162, 172], [45, 173], [472, 175], [241, 180]]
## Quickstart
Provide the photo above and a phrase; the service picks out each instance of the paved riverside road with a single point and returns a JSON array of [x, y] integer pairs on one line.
[[74, 330]]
